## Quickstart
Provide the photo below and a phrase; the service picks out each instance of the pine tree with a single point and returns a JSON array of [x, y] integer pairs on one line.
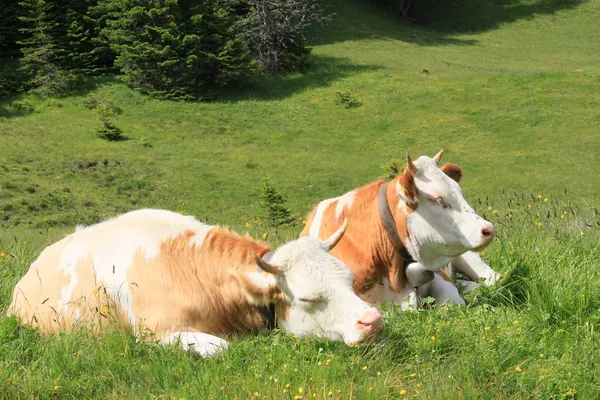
[[39, 49], [9, 29], [273, 202], [184, 50]]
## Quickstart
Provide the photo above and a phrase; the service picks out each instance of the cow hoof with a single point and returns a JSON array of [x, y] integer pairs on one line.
[[417, 275], [198, 343]]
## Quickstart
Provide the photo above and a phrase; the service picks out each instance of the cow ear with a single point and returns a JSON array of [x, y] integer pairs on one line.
[[407, 183], [259, 288], [453, 171]]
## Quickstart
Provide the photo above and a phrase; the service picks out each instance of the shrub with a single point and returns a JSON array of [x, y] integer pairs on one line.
[[391, 169], [109, 130], [346, 98], [273, 202]]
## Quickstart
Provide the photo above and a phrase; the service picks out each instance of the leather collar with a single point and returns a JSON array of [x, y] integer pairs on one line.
[[268, 310], [387, 219]]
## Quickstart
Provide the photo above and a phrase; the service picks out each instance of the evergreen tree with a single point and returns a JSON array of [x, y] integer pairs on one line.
[[9, 29], [182, 50], [39, 48]]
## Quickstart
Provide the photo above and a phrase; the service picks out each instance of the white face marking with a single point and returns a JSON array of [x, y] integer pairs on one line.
[[315, 226], [344, 202], [113, 244], [319, 289], [443, 226]]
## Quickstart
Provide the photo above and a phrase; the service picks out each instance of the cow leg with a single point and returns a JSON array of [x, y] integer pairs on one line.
[[199, 343], [467, 286], [471, 265], [443, 291]]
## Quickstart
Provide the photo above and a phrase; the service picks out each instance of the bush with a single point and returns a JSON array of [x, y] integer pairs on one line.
[[109, 130], [346, 98], [273, 202]]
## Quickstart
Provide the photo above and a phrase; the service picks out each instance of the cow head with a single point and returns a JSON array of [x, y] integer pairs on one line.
[[314, 292], [441, 225]]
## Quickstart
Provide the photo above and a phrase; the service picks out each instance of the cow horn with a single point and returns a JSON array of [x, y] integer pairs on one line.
[[438, 156], [265, 266], [409, 164], [336, 237]]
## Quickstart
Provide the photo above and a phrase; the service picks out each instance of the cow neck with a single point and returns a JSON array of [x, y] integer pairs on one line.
[[387, 219], [268, 310]]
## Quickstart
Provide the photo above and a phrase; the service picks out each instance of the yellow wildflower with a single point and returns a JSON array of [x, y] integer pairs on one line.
[[319, 363], [364, 368], [300, 390], [330, 394], [370, 388], [581, 233], [494, 212], [2, 254], [248, 224], [255, 394], [413, 374], [539, 196], [418, 385], [328, 362], [490, 208], [264, 235], [516, 322], [492, 340], [304, 222], [517, 369], [287, 385], [529, 206], [378, 373], [541, 355], [433, 338], [449, 376], [487, 328], [402, 392], [104, 309], [546, 200]]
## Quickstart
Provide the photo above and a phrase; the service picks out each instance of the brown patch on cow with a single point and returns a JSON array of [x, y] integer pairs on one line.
[[261, 295], [408, 185], [453, 171], [191, 288], [365, 247]]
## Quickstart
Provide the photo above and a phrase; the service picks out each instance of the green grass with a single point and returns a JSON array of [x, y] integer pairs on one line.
[[511, 96]]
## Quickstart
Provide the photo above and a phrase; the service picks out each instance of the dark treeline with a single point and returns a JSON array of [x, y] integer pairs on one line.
[[179, 49]]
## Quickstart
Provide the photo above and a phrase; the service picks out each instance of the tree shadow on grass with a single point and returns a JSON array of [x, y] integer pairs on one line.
[[475, 16], [434, 22], [324, 71]]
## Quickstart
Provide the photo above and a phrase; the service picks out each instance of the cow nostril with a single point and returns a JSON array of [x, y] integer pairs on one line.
[[371, 320], [489, 232]]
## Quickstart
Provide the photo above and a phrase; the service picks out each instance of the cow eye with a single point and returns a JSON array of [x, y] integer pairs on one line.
[[441, 202], [310, 301]]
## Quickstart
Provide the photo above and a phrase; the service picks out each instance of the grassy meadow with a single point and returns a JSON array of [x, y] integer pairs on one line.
[[509, 91]]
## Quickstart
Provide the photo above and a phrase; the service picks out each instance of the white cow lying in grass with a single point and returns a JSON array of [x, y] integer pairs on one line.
[[191, 283], [419, 216]]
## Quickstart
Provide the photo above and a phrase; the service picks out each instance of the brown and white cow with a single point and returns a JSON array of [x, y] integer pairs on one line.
[[431, 222], [191, 283]]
